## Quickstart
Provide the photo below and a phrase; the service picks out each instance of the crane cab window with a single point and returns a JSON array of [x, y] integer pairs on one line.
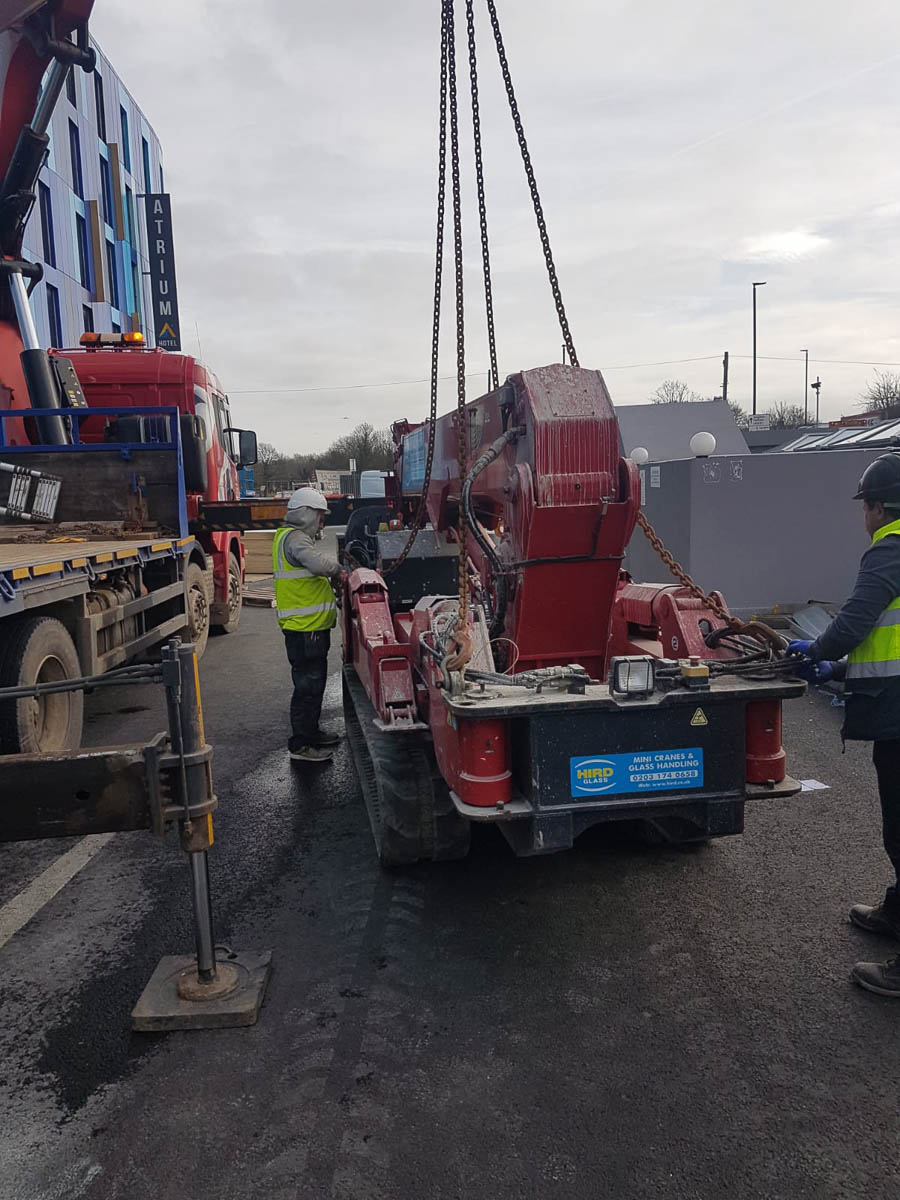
[[223, 422], [201, 411]]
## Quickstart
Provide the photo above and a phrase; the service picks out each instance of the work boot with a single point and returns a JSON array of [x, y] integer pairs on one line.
[[314, 754], [322, 737], [875, 919], [883, 978]]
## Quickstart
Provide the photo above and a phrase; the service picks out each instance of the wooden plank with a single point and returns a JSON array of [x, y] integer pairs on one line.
[[98, 240], [258, 546], [16, 556], [118, 190]]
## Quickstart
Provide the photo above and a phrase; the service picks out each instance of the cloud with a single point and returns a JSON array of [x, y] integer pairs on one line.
[[678, 150], [782, 247]]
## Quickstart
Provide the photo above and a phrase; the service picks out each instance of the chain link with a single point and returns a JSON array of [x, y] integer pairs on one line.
[[462, 449], [422, 510], [494, 380], [532, 184]]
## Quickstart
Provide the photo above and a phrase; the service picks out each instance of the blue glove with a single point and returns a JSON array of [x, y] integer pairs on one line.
[[800, 649], [815, 672]]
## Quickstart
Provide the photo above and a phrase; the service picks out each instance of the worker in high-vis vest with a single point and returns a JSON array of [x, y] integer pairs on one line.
[[305, 579], [861, 646]]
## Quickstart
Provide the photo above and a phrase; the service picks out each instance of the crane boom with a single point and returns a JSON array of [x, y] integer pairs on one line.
[[33, 38]]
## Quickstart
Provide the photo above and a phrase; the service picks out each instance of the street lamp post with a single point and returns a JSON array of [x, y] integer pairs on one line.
[[806, 389], [755, 286], [816, 388]]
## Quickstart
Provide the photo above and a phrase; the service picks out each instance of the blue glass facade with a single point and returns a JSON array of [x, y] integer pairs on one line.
[[87, 228]]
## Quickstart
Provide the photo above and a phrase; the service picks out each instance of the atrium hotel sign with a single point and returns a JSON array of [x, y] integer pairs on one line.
[[166, 326]]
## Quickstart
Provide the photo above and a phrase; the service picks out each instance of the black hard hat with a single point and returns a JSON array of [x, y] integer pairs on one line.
[[881, 480]]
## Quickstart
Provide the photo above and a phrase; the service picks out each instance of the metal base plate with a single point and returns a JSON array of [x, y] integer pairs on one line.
[[161, 1007], [774, 791]]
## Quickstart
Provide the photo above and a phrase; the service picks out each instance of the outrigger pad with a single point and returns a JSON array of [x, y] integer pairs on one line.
[[161, 1007]]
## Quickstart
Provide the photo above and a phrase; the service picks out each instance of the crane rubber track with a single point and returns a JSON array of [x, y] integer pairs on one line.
[[409, 805]]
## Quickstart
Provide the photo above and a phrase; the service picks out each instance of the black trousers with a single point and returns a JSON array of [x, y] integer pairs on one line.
[[308, 655], [886, 757]]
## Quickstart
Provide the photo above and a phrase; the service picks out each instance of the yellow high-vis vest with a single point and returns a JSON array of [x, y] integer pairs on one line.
[[304, 602], [878, 656]]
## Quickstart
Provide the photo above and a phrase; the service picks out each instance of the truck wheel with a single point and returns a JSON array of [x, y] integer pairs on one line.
[[197, 598], [235, 597], [40, 650]]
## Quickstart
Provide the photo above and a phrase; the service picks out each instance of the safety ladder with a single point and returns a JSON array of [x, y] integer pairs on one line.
[[41, 506]]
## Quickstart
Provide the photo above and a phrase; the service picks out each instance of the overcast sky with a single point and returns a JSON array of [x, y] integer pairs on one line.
[[682, 151]]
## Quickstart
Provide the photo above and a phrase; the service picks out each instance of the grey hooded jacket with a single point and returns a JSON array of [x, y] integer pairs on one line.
[[300, 544]]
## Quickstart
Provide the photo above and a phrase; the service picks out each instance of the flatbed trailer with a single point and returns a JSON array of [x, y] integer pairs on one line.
[[112, 574], [35, 577]]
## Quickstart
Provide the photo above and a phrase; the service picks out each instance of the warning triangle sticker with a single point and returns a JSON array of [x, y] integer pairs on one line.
[[699, 718]]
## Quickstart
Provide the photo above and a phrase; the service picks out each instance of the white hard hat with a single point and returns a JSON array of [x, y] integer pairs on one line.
[[308, 497]]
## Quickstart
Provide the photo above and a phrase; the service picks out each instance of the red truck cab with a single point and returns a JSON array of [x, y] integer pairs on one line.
[[133, 374]]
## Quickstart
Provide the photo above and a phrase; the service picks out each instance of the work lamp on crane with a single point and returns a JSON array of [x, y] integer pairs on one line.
[[632, 675]]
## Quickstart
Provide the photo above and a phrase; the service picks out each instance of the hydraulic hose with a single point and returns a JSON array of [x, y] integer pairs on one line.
[[484, 460]]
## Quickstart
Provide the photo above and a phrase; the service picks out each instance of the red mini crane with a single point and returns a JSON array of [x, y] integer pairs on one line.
[[499, 664]]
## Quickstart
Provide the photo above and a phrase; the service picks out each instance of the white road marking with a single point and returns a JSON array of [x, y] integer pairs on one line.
[[19, 911]]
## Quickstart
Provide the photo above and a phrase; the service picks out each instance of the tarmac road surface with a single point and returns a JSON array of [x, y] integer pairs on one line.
[[617, 1021]]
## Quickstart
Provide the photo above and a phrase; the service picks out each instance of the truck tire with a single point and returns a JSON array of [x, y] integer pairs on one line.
[[235, 597], [40, 650], [198, 607]]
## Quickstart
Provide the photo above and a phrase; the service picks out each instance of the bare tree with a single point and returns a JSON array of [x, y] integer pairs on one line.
[[266, 453], [882, 394], [269, 461], [372, 449], [741, 418], [674, 391], [786, 416]]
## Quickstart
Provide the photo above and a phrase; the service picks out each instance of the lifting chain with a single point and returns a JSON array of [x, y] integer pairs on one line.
[[494, 378], [532, 184], [462, 447], [756, 629], [449, 101], [422, 510]]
